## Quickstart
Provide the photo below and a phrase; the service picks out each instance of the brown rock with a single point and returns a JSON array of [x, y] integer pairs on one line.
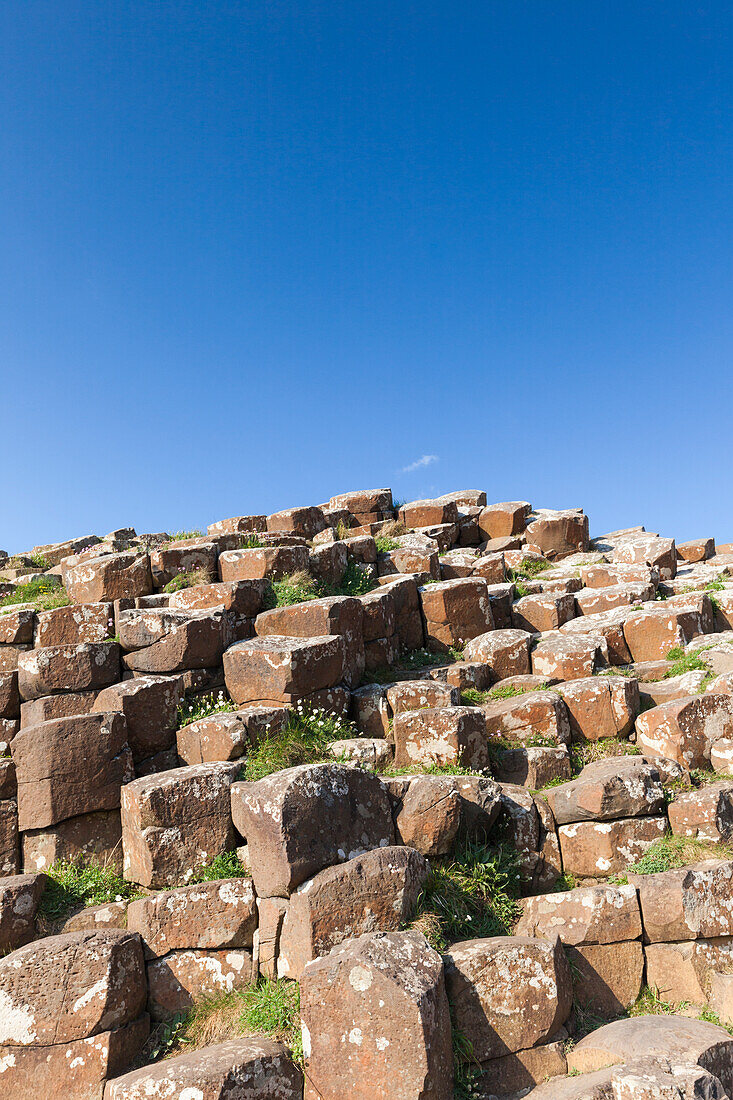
[[112, 577], [557, 534], [508, 993], [455, 611], [208, 916], [19, 898], [443, 735], [95, 837], [595, 849], [229, 735], [240, 1069], [16, 625], [681, 971], [334, 615], [298, 821], [506, 652], [178, 981], [165, 640], [51, 784], [686, 729], [175, 822], [184, 556], [420, 694], [9, 695], [532, 766], [73, 625], [69, 987], [282, 669], [35, 711], [687, 904], [150, 705], [374, 892], [68, 668], [503, 520], [585, 915], [601, 706], [607, 978], [706, 813], [376, 1022], [543, 612], [303, 522], [526, 717], [8, 837], [646, 549], [622, 786], [650, 634], [260, 563], [242, 598]]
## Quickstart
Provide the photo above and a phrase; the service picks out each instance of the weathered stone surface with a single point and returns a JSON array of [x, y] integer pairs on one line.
[[508, 993], [281, 669], [35, 711], [303, 522], [16, 625], [262, 563], [9, 695], [687, 904], [557, 534], [166, 640], [686, 729], [594, 601], [505, 519], [601, 706], [420, 694], [76, 1070], [184, 556], [623, 786], [178, 981], [594, 849], [506, 652], [229, 735], [525, 717], [52, 786], [298, 821], [335, 615], [375, 1021], [585, 915], [370, 710], [374, 892], [652, 632], [443, 735], [647, 549], [567, 657], [208, 915], [240, 1069], [514, 1073], [706, 813], [532, 766], [238, 525], [543, 612], [455, 611], [97, 918], [430, 815], [691, 1041], [68, 668], [149, 704], [73, 625], [95, 836], [8, 837], [19, 898], [607, 978], [69, 987], [112, 577], [681, 971], [175, 822]]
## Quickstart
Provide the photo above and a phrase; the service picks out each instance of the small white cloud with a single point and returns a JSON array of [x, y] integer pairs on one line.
[[424, 460]]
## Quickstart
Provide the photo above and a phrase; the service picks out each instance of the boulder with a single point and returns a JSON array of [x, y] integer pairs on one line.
[[455, 612], [150, 706], [240, 1069], [507, 993], [112, 577], [706, 813], [207, 915], [442, 735], [543, 612], [263, 563], [585, 915], [89, 665], [298, 821], [593, 849], [601, 706], [621, 786], [51, 784], [534, 715], [182, 979], [230, 734], [175, 822], [374, 892], [375, 1021], [686, 729], [335, 615], [687, 903], [73, 625], [19, 898], [279, 669], [506, 652], [566, 657]]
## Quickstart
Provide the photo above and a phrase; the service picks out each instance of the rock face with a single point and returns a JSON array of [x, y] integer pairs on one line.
[[376, 1022], [508, 993], [499, 711], [248, 1069], [176, 822], [301, 820]]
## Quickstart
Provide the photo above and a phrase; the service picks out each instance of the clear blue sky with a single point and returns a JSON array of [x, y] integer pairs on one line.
[[257, 253]]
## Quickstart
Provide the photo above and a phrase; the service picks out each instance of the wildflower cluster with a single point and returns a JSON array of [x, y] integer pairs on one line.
[[304, 740], [203, 706]]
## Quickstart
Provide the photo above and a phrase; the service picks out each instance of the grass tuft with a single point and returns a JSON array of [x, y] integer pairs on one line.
[[671, 852], [43, 593], [201, 706], [225, 865], [470, 894], [74, 885], [180, 536], [304, 740], [188, 580]]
